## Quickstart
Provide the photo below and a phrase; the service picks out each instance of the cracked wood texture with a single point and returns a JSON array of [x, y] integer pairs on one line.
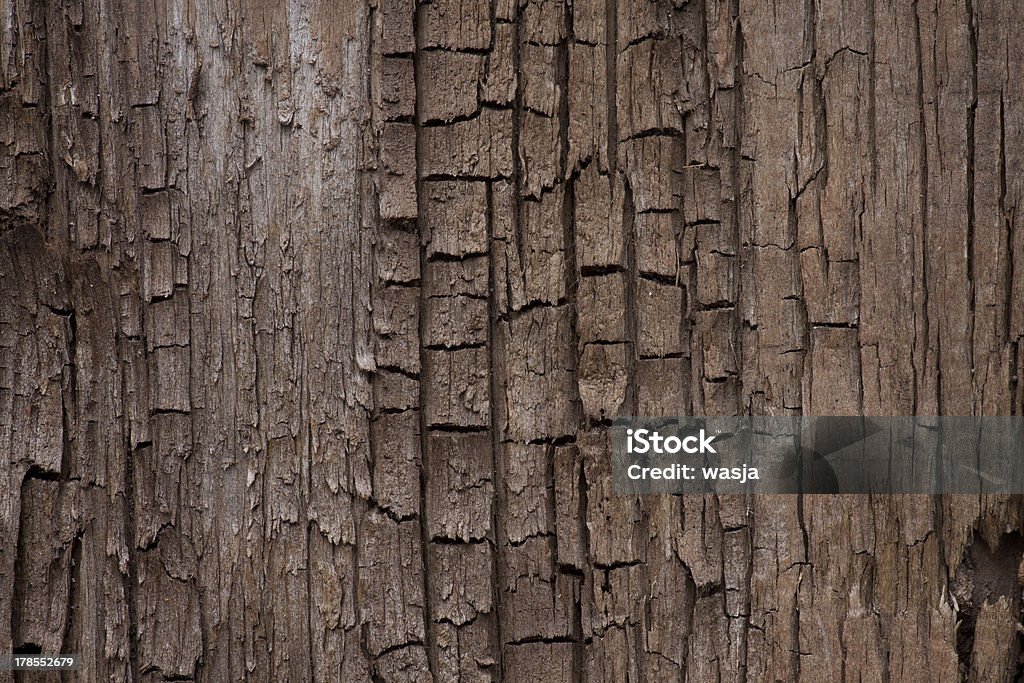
[[313, 315]]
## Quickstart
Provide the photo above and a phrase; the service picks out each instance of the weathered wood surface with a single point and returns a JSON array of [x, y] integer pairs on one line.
[[312, 315]]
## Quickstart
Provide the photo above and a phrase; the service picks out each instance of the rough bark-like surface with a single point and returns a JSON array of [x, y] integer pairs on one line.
[[313, 315]]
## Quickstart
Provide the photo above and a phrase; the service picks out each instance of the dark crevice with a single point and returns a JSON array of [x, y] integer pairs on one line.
[[659, 34], [550, 535], [406, 284], [36, 471], [447, 540], [399, 371], [394, 516], [656, 132], [922, 150], [419, 17], [27, 649], [530, 306], [563, 440], [597, 271], [835, 325], [495, 387], [407, 225], [169, 411], [621, 564], [391, 411], [660, 278], [455, 347], [972, 108], [454, 428], [480, 51], [434, 177], [721, 305], [454, 120], [541, 639], [664, 356], [985, 575]]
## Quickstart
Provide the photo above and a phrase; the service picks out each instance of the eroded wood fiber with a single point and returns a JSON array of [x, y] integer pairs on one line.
[[313, 317]]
